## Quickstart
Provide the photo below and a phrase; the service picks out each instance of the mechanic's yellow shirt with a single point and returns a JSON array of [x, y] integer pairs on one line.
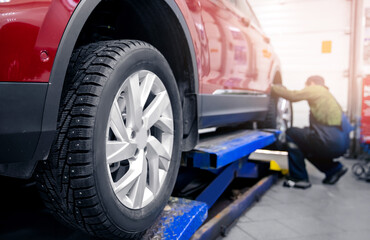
[[322, 103]]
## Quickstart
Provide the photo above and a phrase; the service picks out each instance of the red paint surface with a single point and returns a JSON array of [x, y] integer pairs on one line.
[[365, 116], [229, 54], [27, 28]]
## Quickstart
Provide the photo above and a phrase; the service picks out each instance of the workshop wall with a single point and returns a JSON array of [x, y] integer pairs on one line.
[[311, 37]]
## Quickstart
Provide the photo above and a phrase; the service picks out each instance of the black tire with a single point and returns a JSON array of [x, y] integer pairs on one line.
[[74, 182]]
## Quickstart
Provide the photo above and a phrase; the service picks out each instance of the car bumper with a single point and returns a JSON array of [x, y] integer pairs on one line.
[[21, 116]]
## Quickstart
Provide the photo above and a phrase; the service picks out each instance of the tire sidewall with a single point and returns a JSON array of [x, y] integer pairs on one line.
[[142, 58]]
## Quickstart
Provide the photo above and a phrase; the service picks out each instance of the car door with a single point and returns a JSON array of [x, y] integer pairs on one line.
[[216, 18], [259, 64], [239, 53], [225, 86]]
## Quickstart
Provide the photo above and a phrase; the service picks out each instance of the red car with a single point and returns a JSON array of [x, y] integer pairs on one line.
[[102, 97]]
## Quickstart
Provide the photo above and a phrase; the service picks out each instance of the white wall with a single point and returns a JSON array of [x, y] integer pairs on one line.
[[297, 29]]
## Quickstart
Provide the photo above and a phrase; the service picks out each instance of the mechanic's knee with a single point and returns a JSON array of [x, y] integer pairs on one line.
[[288, 137], [290, 131], [292, 145]]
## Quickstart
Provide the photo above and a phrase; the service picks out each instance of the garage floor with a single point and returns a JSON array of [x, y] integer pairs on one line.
[[323, 212]]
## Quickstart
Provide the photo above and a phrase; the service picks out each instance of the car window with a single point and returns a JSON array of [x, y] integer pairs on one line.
[[243, 7]]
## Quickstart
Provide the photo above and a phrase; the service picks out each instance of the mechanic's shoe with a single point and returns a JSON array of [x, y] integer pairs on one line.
[[332, 179], [303, 184]]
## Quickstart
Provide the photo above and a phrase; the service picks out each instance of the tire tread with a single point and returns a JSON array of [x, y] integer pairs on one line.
[[65, 180]]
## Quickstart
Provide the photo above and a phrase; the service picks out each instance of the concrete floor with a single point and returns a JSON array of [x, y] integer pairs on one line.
[[323, 212]]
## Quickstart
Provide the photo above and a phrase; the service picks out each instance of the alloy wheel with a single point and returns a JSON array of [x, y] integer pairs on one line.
[[284, 117], [139, 139]]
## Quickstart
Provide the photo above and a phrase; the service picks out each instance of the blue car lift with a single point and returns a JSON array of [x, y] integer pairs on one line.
[[226, 156]]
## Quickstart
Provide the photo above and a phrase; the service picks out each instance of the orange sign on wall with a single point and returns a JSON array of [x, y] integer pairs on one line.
[[326, 47]]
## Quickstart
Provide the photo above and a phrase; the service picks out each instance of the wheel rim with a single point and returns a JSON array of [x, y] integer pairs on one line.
[[139, 139], [284, 115], [358, 170]]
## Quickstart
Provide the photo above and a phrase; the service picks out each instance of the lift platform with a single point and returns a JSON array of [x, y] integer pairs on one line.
[[226, 156]]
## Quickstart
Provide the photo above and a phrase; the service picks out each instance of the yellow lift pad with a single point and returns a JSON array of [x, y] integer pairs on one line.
[[274, 166]]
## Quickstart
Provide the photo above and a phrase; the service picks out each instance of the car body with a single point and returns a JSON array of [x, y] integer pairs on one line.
[[97, 93], [217, 49]]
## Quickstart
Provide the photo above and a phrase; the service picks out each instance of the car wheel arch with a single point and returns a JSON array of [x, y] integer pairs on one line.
[[57, 78], [277, 78]]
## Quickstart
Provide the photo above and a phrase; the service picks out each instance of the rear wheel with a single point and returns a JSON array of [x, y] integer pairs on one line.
[[279, 116], [284, 116], [116, 157]]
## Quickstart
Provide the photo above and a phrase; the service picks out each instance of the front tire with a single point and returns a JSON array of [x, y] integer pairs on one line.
[[117, 153]]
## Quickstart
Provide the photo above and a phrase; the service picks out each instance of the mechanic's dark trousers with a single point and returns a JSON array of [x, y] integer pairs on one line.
[[309, 143]]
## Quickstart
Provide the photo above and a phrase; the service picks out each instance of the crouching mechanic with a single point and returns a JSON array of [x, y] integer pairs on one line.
[[326, 138]]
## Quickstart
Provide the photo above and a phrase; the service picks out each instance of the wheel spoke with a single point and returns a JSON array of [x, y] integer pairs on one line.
[[165, 124], [156, 149], [164, 163], [146, 87], [123, 186], [119, 151], [137, 193], [154, 111], [134, 109], [117, 125], [153, 173]]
